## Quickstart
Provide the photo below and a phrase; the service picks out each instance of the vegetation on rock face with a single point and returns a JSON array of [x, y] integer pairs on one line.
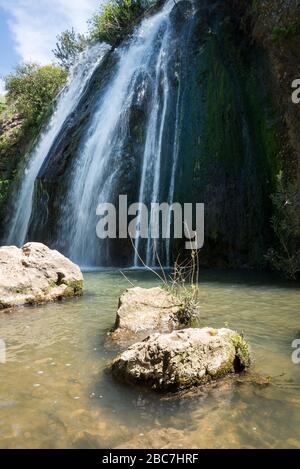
[[115, 18], [184, 286], [289, 31], [285, 257], [2, 104], [31, 91], [68, 46]]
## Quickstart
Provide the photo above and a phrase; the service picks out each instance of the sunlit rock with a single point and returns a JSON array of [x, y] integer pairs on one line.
[[36, 274], [182, 359], [145, 310]]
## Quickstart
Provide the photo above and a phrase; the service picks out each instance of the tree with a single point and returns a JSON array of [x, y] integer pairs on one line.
[[32, 88], [68, 46]]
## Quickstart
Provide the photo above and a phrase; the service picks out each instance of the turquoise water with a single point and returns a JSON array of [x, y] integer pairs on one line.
[[55, 392]]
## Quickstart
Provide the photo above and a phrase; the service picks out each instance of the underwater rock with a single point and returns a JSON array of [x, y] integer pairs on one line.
[[145, 310], [182, 359], [36, 274]]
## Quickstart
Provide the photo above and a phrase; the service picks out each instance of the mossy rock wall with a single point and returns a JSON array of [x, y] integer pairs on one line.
[[229, 141]]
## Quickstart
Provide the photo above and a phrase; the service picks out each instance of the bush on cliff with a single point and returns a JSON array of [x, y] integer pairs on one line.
[[285, 256], [115, 18], [31, 89]]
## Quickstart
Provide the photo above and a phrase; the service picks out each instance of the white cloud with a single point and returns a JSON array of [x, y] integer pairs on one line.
[[34, 24], [2, 87]]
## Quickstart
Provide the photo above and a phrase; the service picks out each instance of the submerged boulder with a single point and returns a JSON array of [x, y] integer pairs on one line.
[[182, 359], [36, 274], [145, 310]]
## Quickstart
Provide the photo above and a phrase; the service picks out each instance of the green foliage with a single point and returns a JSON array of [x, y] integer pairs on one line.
[[2, 104], [68, 46], [31, 91], [114, 19], [286, 225], [287, 32], [3, 190], [33, 88]]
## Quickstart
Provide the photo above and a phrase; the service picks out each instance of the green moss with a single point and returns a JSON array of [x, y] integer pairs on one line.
[[265, 128], [220, 139], [285, 32]]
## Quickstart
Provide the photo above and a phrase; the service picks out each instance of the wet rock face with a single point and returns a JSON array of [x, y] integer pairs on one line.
[[145, 310], [182, 359], [36, 274]]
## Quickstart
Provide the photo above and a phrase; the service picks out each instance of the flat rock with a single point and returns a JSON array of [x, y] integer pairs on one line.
[[145, 310], [36, 274], [182, 359]]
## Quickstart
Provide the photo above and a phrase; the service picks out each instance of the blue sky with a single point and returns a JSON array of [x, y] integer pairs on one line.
[[28, 28]]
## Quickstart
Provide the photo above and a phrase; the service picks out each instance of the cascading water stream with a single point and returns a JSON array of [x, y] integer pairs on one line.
[[97, 168], [66, 104]]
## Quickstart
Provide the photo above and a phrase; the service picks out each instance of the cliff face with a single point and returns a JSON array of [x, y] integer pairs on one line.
[[276, 26], [242, 127]]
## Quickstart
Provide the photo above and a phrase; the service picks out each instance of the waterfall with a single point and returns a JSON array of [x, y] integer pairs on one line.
[[129, 143], [98, 167], [66, 104]]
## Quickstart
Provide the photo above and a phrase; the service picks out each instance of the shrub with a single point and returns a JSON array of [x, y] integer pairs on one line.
[[33, 88], [114, 19], [68, 46], [285, 257]]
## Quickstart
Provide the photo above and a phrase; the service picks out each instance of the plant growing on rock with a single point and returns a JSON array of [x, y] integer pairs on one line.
[[2, 104], [184, 283], [32, 89], [114, 19], [287, 32], [285, 221], [68, 46]]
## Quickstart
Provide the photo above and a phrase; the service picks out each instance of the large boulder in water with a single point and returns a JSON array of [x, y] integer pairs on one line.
[[36, 274], [143, 311], [182, 359]]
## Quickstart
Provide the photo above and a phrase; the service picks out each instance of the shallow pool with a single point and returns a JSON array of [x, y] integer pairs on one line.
[[54, 392]]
